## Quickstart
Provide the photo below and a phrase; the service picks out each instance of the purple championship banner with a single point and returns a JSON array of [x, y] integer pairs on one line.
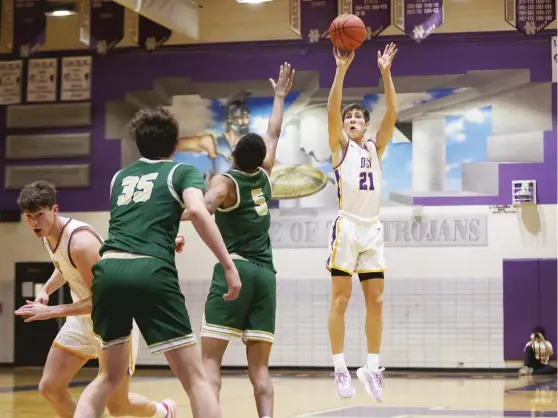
[[107, 24], [375, 14], [530, 16], [29, 25], [148, 34], [418, 18], [310, 19]]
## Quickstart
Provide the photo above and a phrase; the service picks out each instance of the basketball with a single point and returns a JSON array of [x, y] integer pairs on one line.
[[347, 32]]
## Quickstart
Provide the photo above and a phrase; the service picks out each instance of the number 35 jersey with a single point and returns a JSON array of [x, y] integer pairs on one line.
[[359, 182], [245, 225], [146, 205]]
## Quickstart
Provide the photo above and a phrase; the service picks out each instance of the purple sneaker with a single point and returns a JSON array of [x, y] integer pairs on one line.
[[372, 381], [343, 384]]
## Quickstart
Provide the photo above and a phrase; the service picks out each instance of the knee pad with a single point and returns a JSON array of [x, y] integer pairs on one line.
[[371, 275], [335, 272]]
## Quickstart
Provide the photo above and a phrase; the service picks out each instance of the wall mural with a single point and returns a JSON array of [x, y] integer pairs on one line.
[[211, 128]]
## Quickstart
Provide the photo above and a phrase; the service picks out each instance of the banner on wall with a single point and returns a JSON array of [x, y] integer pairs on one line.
[[84, 17], [107, 24], [418, 19], [375, 15], [146, 33], [530, 16], [310, 19], [554, 53], [41, 80], [75, 82], [314, 232], [10, 82], [29, 25]]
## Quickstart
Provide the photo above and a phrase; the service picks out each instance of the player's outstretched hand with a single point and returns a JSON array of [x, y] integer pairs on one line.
[[285, 81], [386, 58], [233, 280], [34, 311], [343, 59], [180, 241]]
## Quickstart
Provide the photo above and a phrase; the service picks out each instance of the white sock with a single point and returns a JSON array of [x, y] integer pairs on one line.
[[339, 361], [373, 362], [162, 411]]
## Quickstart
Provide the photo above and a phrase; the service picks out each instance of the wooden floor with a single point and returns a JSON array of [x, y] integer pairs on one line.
[[312, 393]]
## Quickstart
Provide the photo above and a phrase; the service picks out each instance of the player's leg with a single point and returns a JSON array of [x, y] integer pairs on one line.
[[370, 268], [113, 367], [213, 350], [259, 334], [222, 321], [163, 320], [341, 263], [257, 353], [113, 291], [60, 368], [123, 403]]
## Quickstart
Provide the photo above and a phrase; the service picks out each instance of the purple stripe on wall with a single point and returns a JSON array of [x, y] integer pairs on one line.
[[547, 307], [120, 72], [520, 291], [544, 173], [554, 105]]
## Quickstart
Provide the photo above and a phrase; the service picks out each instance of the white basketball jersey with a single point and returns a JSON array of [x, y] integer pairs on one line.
[[62, 258], [359, 182]]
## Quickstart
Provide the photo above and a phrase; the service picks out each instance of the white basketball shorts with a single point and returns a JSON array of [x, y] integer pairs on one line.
[[77, 337], [356, 247]]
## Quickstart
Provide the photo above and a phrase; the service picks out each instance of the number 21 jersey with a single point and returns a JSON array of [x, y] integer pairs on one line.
[[146, 206], [359, 182]]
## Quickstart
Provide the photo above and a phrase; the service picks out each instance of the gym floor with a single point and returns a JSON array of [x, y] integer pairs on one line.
[[312, 393]]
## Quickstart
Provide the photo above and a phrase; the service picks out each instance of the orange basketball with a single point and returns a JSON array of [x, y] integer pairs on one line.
[[347, 32]]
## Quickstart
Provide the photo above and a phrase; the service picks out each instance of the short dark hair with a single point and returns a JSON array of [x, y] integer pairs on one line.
[[539, 330], [36, 196], [156, 133], [249, 153], [356, 106]]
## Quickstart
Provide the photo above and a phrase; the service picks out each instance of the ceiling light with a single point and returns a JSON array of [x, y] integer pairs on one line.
[[60, 13], [60, 8]]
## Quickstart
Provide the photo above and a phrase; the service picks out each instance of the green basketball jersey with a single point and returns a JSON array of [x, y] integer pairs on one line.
[[245, 225], [146, 206]]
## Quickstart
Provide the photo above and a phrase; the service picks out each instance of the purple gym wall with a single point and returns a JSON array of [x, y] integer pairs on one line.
[[529, 301], [119, 72]]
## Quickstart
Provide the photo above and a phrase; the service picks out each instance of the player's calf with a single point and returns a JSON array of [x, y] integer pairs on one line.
[[186, 364], [58, 396], [341, 293], [257, 353], [122, 403], [213, 350], [371, 375]]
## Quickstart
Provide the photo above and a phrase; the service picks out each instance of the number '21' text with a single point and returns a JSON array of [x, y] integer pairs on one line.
[[366, 181]]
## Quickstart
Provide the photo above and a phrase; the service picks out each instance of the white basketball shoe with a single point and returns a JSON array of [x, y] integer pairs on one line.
[[343, 384], [373, 382]]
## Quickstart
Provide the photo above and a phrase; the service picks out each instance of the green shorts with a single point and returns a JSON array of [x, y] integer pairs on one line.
[[252, 315], [143, 289]]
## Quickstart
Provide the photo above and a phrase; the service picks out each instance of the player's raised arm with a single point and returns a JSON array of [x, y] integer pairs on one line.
[[337, 140], [282, 88], [385, 132]]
